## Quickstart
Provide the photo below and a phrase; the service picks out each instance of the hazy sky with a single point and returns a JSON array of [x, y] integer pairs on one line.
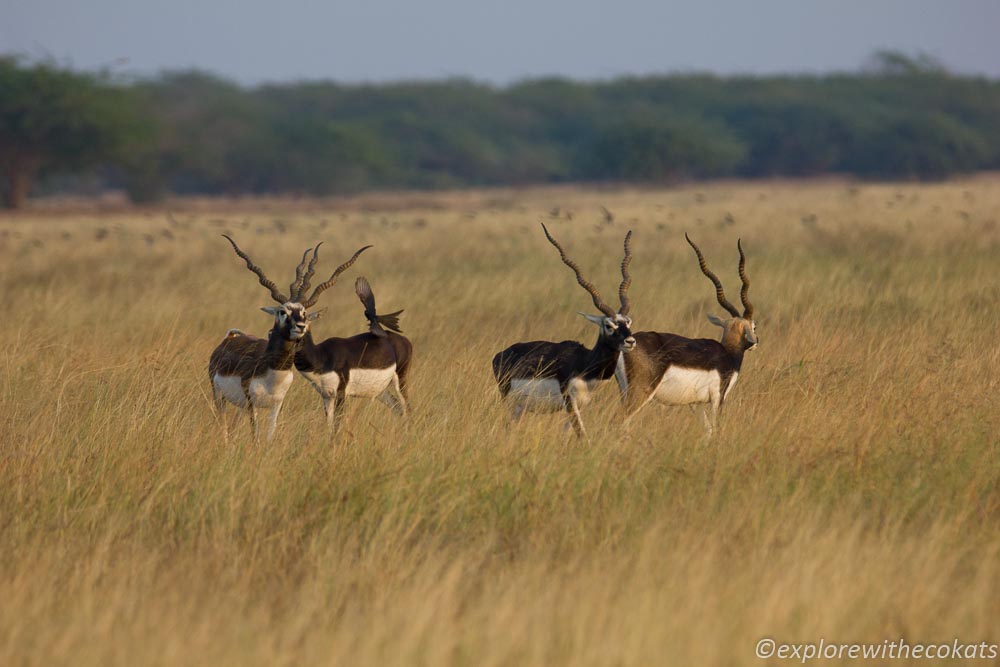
[[498, 41]]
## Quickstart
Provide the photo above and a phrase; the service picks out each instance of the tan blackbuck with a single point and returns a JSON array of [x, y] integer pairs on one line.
[[675, 370], [255, 373]]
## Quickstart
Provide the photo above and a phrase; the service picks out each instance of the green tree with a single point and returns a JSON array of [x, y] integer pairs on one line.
[[53, 119]]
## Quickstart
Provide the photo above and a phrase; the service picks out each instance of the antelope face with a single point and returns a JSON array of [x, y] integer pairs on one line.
[[737, 332], [291, 319], [616, 330]]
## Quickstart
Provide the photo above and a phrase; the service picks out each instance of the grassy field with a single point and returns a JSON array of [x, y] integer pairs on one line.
[[852, 493]]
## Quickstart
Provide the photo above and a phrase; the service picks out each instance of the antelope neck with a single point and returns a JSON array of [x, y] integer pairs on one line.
[[732, 341], [280, 352], [601, 361], [306, 353]]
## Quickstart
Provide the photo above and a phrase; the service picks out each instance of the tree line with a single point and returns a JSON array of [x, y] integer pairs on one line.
[[191, 132]]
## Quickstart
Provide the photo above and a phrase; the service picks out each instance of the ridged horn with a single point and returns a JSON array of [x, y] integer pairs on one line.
[[719, 292], [264, 280], [585, 284], [296, 286], [747, 306], [626, 277], [322, 287], [310, 270]]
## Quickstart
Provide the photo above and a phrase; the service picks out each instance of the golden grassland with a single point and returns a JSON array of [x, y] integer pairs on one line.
[[851, 494]]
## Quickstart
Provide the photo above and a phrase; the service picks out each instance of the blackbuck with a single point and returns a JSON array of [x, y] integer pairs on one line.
[[255, 373], [675, 370], [542, 376], [373, 364]]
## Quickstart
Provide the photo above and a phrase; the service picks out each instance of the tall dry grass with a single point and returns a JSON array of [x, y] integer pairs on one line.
[[852, 494]]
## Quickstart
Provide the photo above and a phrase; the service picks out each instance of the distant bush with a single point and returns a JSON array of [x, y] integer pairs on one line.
[[663, 149], [921, 146]]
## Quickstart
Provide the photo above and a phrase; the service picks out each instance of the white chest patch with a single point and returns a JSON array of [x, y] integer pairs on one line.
[[684, 386], [324, 383], [231, 387], [269, 389], [537, 394], [369, 382]]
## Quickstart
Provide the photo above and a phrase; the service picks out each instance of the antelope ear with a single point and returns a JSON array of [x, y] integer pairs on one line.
[[594, 319], [717, 321], [315, 316], [271, 310]]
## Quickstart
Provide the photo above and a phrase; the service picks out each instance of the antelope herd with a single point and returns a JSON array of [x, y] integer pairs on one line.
[[537, 376]]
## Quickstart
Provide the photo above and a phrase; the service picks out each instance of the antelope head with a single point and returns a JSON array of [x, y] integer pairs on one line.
[[739, 331], [292, 317], [616, 328]]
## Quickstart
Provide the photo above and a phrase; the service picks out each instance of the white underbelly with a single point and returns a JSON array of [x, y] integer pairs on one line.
[[684, 386], [269, 389], [369, 382], [325, 383], [231, 388], [537, 394]]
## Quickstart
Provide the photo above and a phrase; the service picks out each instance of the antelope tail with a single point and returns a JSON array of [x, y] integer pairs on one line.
[[388, 321], [377, 323]]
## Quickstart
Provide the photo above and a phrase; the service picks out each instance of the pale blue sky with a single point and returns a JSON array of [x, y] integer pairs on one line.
[[499, 41]]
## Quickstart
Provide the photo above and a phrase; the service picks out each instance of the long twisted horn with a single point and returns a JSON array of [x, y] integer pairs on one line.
[[310, 270], [747, 306], [296, 286], [322, 287], [626, 277], [269, 284], [719, 293], [585, 284]]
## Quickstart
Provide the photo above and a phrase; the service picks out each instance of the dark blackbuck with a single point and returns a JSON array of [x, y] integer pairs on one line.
[[370, 365], [543, 376]]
